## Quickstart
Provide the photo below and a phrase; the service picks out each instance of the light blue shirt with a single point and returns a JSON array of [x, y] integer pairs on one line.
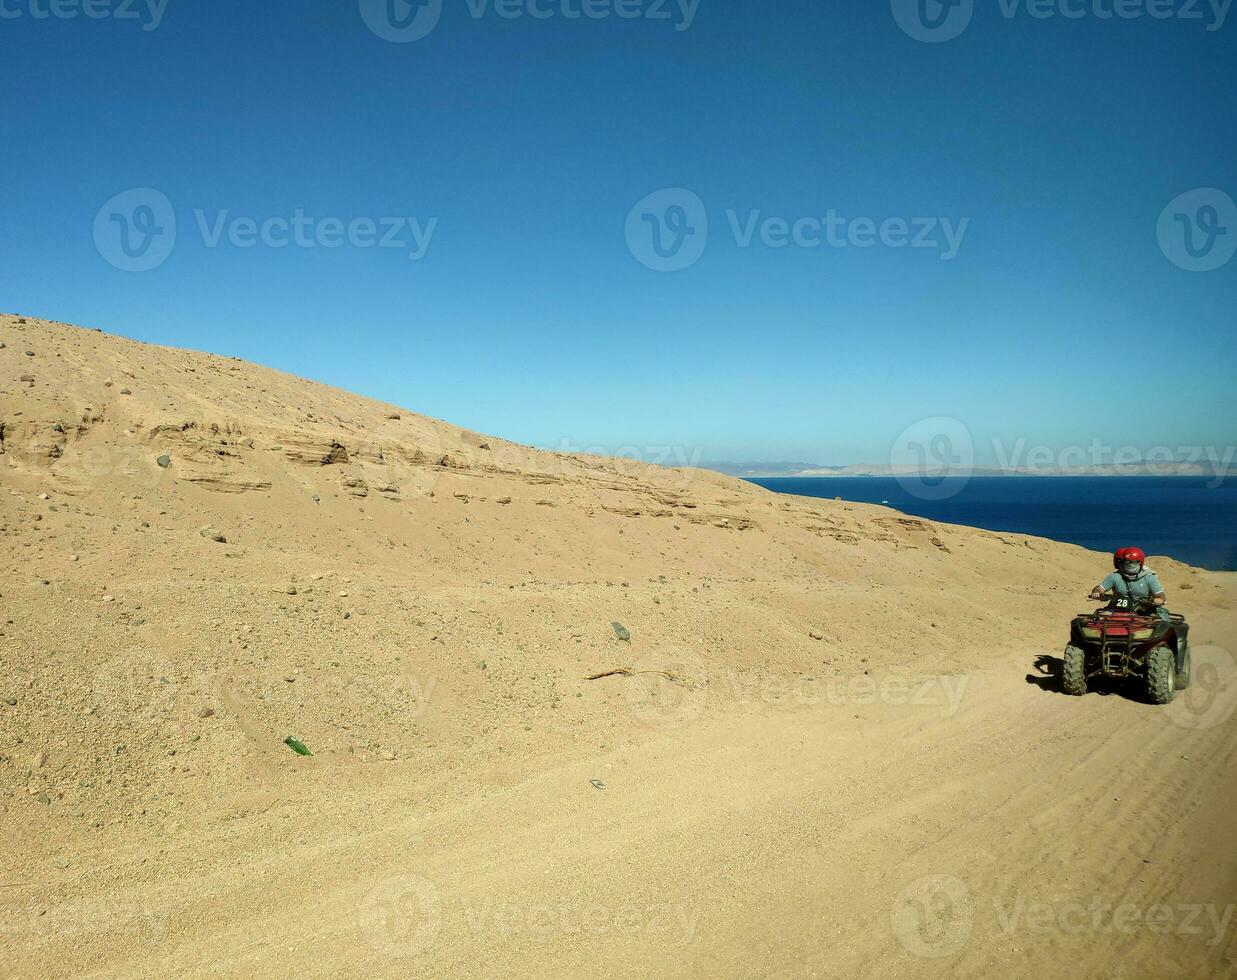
[[1145, 586]]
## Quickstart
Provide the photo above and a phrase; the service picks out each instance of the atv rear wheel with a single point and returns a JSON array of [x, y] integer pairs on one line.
[[1161, 675], [1074, 671], [1183, 675]]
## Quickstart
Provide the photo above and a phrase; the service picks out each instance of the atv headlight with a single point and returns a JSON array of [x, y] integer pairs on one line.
[[1144, 634], [1091, 633]]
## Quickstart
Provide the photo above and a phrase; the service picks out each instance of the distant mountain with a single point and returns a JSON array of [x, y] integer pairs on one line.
[[746, 470], [1153, 468]]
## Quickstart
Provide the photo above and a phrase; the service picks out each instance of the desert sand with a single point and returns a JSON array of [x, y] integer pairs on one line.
[[828, 742]]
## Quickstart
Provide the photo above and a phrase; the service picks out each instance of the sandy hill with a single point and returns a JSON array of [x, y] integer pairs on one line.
[[203, 557]]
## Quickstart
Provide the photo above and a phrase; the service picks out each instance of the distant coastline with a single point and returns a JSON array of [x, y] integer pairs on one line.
[[1190, 518], [802, 470]]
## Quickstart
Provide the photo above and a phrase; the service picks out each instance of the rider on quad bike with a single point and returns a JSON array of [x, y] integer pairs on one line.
[[1131, 578], [1134, 636]]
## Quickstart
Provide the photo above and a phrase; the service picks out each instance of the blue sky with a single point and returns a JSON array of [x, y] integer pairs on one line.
[[522, 143]]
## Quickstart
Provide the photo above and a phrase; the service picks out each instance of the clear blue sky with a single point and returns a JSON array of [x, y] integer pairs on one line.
[[1059, 320]]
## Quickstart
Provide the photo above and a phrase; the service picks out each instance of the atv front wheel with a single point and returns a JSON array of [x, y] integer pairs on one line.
[[1074, 671], [1161, 675], [1183, 675]]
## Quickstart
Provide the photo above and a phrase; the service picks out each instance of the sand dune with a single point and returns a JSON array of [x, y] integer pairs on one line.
[[824, 747]]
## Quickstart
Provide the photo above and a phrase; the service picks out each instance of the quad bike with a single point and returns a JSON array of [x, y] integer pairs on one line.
[[1126, 639]]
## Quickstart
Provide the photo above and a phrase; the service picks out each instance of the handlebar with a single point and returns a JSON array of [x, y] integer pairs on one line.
[[1139, 603]]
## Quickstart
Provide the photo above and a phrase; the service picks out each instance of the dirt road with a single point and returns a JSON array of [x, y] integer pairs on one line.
[[978, 824]]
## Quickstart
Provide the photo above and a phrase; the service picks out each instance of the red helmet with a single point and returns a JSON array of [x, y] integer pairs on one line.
[[1131, 555]]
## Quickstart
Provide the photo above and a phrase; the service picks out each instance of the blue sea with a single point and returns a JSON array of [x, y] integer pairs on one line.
[[1187, 518]]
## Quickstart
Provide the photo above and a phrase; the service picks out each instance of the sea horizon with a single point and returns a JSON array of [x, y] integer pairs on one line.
[[1188, 518]]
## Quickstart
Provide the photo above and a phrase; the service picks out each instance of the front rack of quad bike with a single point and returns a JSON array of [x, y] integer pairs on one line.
[[1105, 615], [1118, 631]]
